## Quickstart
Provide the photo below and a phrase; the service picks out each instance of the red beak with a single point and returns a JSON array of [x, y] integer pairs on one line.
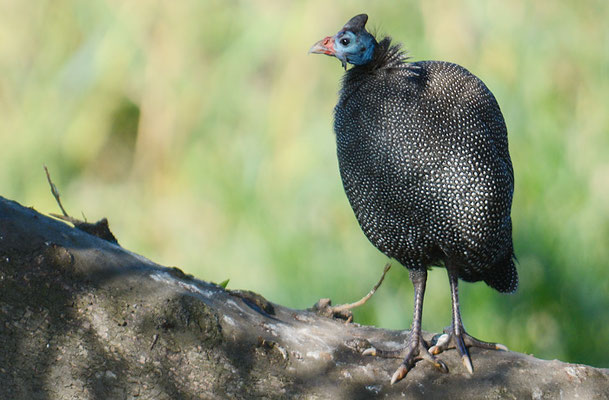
[[324, 46]]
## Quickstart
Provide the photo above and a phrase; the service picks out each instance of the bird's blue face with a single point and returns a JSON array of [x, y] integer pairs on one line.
[[353, 46], [354, 49]]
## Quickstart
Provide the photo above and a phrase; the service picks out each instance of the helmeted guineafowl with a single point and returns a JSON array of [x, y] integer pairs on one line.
[[423, 156]]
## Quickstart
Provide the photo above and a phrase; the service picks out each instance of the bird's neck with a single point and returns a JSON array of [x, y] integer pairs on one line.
[[389, 55], [387, 58]]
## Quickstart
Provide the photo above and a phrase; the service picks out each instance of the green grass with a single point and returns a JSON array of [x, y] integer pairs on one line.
[[203, 131]]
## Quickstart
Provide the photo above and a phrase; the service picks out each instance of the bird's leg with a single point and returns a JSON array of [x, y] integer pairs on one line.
[[416, 349], [455, 335]]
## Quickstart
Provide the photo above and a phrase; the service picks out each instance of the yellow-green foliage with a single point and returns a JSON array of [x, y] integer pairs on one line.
[[203, 131]]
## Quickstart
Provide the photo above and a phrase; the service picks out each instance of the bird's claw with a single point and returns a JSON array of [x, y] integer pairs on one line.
[[467, 363], [410, 354], [373, 351], [439, 364], [411, 359], [501, 347], [440, 343], [369, 352], [462, 342], [399, 373]]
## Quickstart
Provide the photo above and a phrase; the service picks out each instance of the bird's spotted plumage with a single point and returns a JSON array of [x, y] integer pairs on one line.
[[423, 156], [422, 150]]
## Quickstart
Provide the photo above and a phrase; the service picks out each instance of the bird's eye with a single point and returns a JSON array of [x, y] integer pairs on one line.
[[345, 41]]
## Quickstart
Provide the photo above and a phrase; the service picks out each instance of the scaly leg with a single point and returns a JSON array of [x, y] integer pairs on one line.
[[455, 335], [416, 349]]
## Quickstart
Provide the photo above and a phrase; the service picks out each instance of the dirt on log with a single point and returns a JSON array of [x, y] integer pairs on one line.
[[83, 318]]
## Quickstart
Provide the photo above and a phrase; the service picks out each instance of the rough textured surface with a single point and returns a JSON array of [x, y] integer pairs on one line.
[[82, 318]]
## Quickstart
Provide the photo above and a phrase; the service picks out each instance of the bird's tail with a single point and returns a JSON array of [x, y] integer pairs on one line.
[[503, 275]]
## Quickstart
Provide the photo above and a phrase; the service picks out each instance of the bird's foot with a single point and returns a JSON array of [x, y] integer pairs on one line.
[[462, 341], [415, 350]]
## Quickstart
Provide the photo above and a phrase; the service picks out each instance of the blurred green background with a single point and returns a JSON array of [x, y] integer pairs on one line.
[[203, 131]]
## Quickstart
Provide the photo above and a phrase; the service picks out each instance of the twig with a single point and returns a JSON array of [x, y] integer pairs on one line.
[[99, 229], [363, 300], [55, 191]]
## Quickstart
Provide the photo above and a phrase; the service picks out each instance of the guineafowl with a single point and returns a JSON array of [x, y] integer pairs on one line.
[[423, 156]]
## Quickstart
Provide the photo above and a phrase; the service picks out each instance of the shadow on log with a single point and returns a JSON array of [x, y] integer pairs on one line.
[[82, 318]]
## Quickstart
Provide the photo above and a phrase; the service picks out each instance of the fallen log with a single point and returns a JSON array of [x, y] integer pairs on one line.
[[83, 318]]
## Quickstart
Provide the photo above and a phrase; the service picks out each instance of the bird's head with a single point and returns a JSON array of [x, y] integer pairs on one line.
[[352, 44]]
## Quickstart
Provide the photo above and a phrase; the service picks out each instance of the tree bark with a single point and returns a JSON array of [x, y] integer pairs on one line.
[[83, 318]]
